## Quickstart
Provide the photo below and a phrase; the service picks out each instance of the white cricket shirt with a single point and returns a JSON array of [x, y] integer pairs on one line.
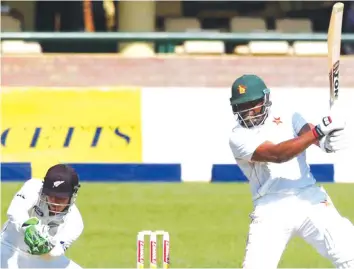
[[64, 229], [266, 177]]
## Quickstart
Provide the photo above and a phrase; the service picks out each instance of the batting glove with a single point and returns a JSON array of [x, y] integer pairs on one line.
[[335, 141], [327, 126]]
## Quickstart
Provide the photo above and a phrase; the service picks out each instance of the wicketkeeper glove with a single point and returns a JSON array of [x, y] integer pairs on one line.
[[34, 237]]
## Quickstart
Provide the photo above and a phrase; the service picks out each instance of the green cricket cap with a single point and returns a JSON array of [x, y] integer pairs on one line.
[[247, 88]]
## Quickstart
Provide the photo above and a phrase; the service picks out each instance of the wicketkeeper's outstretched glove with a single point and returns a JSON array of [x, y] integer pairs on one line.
[[34, 238]]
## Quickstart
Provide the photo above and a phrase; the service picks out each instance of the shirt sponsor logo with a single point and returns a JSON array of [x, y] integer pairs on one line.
[[38, 211]]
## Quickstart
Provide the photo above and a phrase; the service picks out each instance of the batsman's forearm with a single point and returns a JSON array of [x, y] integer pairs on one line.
[[291, 148]]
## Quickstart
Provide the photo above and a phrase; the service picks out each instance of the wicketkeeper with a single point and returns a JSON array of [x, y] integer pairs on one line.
[[43, 221]]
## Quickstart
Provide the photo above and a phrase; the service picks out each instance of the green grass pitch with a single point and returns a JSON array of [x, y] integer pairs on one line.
[[208, 223]]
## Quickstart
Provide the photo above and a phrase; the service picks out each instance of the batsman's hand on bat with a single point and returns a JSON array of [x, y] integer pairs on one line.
[[35, 237], [328, 125], [335, 141]]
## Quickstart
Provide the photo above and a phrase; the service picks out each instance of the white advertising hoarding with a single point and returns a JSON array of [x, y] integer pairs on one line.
[[191, 126]]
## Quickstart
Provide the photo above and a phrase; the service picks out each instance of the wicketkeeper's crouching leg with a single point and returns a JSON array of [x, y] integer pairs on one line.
[[12, 258]]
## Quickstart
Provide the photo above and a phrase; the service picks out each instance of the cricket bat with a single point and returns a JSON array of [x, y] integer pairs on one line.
[[334, 45]]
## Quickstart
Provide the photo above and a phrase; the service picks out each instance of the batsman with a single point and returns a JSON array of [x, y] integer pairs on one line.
[[270, 148], [43, 222]]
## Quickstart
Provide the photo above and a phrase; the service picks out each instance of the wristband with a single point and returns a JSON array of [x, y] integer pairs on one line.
[[317, 132]]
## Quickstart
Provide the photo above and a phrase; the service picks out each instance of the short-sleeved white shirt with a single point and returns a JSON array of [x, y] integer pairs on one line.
[[267, 177]]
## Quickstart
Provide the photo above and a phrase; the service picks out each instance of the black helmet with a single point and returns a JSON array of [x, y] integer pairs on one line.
[[60, 181]]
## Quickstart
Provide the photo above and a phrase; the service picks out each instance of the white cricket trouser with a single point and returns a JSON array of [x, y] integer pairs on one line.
[[12, 258], [277, 218]]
